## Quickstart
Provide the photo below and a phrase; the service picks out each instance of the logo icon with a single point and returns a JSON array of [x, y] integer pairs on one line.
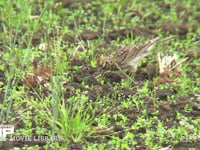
[[4, 130]]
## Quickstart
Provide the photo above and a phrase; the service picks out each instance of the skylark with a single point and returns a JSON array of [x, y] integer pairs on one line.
[[129, 56]]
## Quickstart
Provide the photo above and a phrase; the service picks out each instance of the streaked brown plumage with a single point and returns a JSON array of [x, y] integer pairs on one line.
[[129, 56]]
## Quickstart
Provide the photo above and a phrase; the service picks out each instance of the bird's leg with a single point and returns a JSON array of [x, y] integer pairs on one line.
[[133, 70], [128, 76]]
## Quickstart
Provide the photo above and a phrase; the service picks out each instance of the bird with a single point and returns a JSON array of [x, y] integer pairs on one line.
[[129, 56]]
